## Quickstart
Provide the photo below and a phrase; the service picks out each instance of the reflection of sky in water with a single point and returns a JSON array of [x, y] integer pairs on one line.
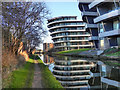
[[42, 58], [51, 66]]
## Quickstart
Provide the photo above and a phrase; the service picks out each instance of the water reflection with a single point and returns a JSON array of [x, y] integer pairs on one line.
[[74, 72]]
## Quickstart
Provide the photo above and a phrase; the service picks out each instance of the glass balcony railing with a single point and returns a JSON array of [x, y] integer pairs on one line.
[[62, 24]]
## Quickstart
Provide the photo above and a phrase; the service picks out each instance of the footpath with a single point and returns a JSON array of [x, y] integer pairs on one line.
[[37, 81]]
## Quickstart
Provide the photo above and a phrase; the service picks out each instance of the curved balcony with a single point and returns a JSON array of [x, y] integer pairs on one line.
[[107, 16], [71, 61], [55, 32], [74, 46], [71, 71], [71, 68], [64, 21], [97, 2], [87, 13], [71, 36], [79, 76], [83, 86], [110, 33], [74, 65], [93, 38], [91, 26], [72, 82], [55, 27], [70, 41]]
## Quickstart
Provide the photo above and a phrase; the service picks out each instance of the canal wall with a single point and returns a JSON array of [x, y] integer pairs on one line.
[[95, 57]]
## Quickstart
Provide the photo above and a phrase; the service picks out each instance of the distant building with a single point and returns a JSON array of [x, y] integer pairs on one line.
[[47, 46], [48, 60], [68, 33]]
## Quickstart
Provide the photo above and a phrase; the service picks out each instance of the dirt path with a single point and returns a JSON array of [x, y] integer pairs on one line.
[[37, 81]]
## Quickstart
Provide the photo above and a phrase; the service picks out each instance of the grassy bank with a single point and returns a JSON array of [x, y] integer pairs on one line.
[[49, 81], [114, 54], [74, 51], [22, 78], [112, 63]]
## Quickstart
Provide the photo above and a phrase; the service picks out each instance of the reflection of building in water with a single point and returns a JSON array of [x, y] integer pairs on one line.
[[73, 73], [105, 77], [47, 46], [48, 60]]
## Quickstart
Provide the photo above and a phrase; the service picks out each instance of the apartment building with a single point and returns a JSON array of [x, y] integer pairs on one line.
[[88, 15], [68, 33], [47, 46], [108, 21]]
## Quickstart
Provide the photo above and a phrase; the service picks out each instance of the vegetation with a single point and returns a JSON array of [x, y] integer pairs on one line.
[[74, 51], [109, 50], [49, 81], [114, 54], [22, 78], [112, 63], [22, 22]]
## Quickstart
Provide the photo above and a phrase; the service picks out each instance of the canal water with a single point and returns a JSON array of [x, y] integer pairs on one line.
[[83, 73]]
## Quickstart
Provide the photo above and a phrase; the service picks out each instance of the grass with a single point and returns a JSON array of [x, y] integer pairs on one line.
[[74, 51], [112, 63], [114, 54], [49, 81], [22, 78], [109, 50]]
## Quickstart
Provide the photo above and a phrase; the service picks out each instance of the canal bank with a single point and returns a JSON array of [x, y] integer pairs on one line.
[[43, 78], [89, 54], [108, 56]]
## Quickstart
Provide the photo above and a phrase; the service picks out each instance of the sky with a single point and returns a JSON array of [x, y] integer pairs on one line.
[[62, 9]]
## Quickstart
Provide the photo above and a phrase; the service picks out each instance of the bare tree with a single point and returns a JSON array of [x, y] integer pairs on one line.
[[26, 19]]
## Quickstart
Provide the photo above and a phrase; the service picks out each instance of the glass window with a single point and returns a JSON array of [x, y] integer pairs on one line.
[[101, 28], [115, 25]]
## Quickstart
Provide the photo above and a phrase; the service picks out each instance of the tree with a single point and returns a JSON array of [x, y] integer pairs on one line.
[[24, 19]]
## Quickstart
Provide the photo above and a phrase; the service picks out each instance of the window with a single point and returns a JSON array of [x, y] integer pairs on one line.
[[115, 25], [101, 28]]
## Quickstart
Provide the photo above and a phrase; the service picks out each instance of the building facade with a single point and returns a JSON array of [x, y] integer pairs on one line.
[[68, 33], [88, 15], [47, 46], [108, 21]]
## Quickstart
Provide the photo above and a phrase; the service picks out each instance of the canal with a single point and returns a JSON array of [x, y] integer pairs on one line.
[[83, 73]]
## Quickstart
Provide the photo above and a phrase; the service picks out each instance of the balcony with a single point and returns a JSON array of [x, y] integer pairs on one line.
[[69, 41], [86, 13], [106, 16], [74, 46], [55, 27], [110, 33], [97, 2], [93, 38], [110, 82], [91, 26], [82, 35]]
